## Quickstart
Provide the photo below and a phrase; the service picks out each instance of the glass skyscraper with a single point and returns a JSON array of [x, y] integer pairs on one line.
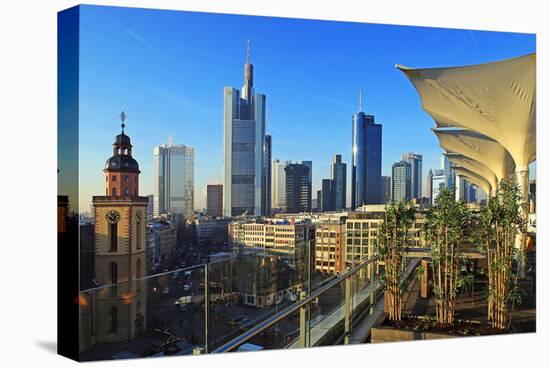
[[401, 181], [416, 173], [278, 184], [173, 180], [298, 188], [366, 160], [339, 185], [439, 180], [244, 184], [267, 176]]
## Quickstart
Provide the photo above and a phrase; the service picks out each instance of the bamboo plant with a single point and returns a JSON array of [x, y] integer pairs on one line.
[[448, 231], [501, 221], [390, 245]]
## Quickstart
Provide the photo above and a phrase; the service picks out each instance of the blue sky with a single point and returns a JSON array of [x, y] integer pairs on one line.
[[167, 70]]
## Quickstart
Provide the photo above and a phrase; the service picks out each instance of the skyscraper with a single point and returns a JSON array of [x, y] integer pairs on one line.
[[309, 164], [401, 181], [428, 186], [326, 202], [278, 184], [214, 200], [386, 188], [339, 184], [298, 188], [267, 177], [173, 179], [447, 171], [244, 139], [415, 161], [366, 159], [461, 189], [439, 180]]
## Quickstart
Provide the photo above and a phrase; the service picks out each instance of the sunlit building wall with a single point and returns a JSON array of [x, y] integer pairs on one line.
[[173, 180]]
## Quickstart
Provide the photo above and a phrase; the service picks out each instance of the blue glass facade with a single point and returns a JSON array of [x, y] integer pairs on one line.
[[366, 161]]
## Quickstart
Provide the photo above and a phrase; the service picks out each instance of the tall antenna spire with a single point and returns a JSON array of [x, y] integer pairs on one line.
[[360, 100], [122, 119], [248, 51]]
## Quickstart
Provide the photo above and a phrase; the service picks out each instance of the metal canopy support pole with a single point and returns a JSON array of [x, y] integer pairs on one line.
[[347, 310], [206, 306], [522, 176]]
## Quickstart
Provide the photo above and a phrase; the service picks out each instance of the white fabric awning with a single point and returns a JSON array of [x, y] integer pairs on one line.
[[479, 148], [496, 99], [474, 178], [473, 166]]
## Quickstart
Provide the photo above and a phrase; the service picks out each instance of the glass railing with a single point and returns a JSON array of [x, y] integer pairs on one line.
[[254, 303], [165, 314], [324, 316]]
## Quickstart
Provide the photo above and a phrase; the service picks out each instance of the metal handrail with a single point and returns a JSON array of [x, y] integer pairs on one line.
[[251, 333], [157, 275]]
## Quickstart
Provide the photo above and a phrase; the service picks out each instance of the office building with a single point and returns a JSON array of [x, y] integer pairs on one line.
[[214, 200], [298, 188], [309, 165], [173, 180], [161, 244], [267, 177], [244, 141], [428, 186], [276, 235], [330, 245], [401, 181], [278, 185], [362, 233], [366, 159], [439, 180], [326, 203], [415, 160], [339, 182], [386, 188], [446, 166]]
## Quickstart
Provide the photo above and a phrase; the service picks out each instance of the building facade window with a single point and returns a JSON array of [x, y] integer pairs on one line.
[[113, 237], [114, 320], [114, 272]]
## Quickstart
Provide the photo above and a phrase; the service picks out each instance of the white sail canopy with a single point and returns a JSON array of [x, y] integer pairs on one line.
[[479, 148], [473, 166], [496, 99], [474, 178]]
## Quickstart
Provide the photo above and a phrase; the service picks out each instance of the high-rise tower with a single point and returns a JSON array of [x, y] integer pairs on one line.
[[173, 179], [244, 185], [401, 181], [339, 185], [366, 159], [416, 173]]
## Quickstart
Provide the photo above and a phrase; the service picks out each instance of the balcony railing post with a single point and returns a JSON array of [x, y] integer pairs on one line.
[[347, 310], [206, 306], [372, 285], [304, 323]]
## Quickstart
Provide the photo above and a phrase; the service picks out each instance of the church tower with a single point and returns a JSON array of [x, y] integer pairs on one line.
[[120, 251]]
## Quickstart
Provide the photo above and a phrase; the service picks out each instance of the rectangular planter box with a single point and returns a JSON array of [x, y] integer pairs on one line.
[[383, 334]]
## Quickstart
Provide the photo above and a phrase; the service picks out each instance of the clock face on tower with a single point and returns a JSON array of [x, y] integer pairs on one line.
[[112, 216]]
